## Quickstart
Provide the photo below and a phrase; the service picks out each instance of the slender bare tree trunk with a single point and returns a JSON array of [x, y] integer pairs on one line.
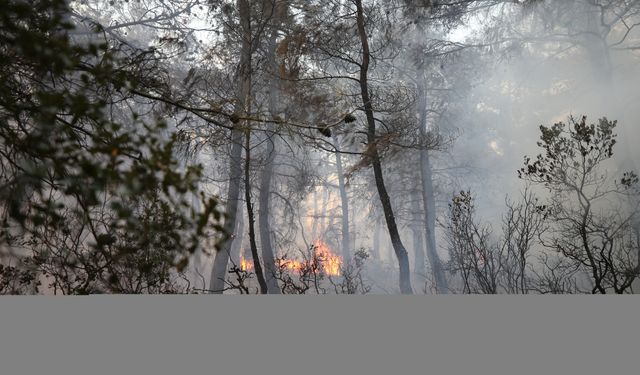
[[314, 215], [236, 245], [219, 271], [417, 229], [331, 218], [418, 260], [257, 267], [428, 196], [398, 246], [268, 256], [323, 215], [376, 242], [344, 202], [353, 230], [389, 250]]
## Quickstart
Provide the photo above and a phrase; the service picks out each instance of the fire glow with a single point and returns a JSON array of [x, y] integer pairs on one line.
[[329, 262], [245, 265]]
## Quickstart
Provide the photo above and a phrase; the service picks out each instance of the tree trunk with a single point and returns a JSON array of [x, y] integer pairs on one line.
[[257, 268], [372, 151], [263, 219], [236, 246], [314, 215], [418, 260], [322, 228], [353, 230], [344, 202], [268, 256], [417, 230], [219, 271], [376, 242], [428, 198]]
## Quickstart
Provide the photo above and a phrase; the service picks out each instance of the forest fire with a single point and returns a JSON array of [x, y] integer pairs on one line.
[[290, 265], [245, 265], [329, 262]]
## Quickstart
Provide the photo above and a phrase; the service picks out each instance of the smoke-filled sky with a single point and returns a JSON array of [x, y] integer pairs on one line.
[[539, 85], [357, 125]]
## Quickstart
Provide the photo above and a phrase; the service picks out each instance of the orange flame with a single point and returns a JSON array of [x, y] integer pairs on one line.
[[245, 265], [330, 261]]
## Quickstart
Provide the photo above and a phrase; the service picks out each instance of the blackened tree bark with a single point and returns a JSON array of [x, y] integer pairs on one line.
[[236, 245], [257, 268], [372, 153], [268, 256]]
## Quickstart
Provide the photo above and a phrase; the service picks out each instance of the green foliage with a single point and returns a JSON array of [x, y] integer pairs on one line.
[[95, 204], [570, 153]]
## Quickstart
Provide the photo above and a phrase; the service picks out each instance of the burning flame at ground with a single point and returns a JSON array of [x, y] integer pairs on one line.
[[329, 261], [245, 265]]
